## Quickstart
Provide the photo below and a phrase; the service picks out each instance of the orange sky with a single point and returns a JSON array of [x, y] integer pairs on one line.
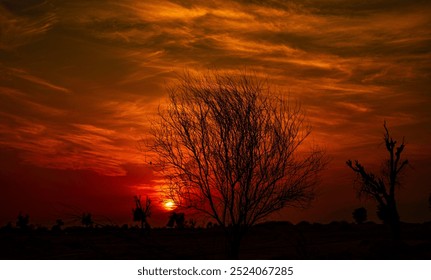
[[80, 80]]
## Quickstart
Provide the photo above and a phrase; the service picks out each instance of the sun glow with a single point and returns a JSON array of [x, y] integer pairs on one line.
[[169, 205]]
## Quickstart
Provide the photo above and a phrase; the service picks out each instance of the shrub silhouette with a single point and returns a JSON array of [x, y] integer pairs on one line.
[[360, 215], [23, 221], [58, 224], [191, 223], [87, 220], [176, 220]]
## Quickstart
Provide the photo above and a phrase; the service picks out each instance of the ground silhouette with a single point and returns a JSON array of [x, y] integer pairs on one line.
[[271, 240]]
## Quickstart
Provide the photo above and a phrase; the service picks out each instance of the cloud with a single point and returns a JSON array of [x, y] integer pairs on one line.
[[36, 80], [21, 23], [346, 58]]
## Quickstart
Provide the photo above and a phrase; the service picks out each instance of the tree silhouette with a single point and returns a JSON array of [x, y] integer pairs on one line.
[[140, 213], [382, 188], [58, 224], [87, 220], [360, 215], [22, 221], [177, 220], [229, 148], [191, 223]]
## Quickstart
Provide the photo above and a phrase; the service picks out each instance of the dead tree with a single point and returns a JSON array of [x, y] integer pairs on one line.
[[382, 188], [228, 146], [141, 213]]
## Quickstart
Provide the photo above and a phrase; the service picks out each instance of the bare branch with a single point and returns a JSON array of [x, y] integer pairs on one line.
[[230, 148]]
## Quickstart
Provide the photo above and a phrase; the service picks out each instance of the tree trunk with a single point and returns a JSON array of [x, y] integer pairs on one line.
[[233, 244], [394, 219], [233, 248]]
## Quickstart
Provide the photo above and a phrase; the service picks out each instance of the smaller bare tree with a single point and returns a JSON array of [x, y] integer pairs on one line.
[[382, 188], [141, 213]]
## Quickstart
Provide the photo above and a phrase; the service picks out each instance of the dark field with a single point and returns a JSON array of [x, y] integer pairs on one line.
[[274, 240]]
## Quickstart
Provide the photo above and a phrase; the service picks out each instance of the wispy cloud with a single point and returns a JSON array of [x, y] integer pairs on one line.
[[351, 63], [36, 80], [21, 23]]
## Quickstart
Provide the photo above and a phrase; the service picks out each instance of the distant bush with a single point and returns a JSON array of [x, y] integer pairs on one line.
[[360, 215], [340, 225], [23, 221], [87, 220], [57, 227], [176, 220]]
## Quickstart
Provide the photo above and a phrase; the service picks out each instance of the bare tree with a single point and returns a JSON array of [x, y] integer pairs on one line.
[[230, 149], [382, 188], [141, 213]]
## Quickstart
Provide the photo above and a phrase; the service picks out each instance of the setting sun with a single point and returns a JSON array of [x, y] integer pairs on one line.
[[169, 205]]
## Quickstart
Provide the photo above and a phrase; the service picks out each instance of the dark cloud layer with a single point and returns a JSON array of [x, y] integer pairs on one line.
[[80, 80]]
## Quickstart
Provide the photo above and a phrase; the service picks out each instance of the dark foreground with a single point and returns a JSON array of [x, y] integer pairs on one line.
[[275, 240]]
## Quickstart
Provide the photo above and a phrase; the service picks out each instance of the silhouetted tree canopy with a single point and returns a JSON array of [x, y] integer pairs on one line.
[[229, 146], [382, 188]]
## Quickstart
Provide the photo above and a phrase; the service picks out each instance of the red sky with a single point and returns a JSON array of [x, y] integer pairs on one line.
[[81, 80]]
